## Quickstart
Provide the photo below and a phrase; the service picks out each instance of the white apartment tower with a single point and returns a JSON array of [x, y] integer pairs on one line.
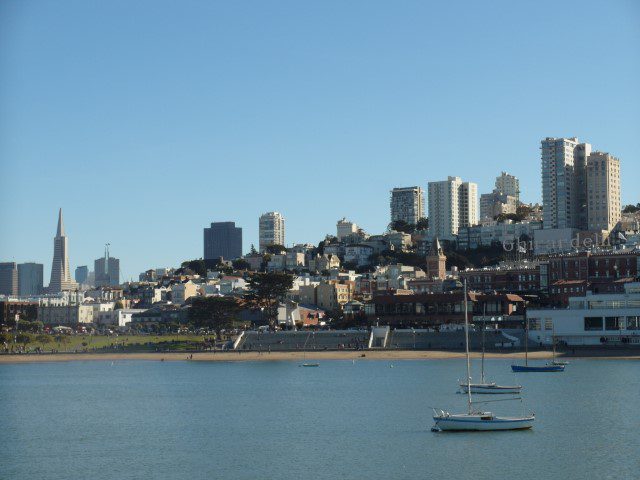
[[271, 230], [604, 209], [563, 183], [407, 204], [452, 204]]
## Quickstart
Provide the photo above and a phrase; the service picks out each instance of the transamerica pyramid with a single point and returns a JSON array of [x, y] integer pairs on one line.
[[60, 276]]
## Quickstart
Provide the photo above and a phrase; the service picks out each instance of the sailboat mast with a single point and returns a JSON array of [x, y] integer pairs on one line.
[[484, 313], [466, 343], [526, 341]]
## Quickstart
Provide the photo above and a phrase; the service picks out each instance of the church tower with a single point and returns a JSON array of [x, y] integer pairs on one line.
[[436, 261]]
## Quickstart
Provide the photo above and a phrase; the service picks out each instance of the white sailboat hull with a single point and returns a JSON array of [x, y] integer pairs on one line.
[[480, 422], [491, 388]]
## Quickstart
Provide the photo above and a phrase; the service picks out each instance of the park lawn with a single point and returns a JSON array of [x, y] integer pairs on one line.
[[127, 343]]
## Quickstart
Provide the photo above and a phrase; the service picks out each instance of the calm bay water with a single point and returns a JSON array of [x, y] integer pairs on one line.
[[194, 420]]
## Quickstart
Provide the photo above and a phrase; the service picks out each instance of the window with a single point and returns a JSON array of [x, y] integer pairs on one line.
[[633, 323], [548, 324], [592, 323], [612, 323]]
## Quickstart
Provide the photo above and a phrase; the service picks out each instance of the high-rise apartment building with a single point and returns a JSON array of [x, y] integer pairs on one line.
[[222, 240], [507, 184], [580, 189], [452, 204], [30, 281], [81, 274], [8, 278], [407, 204], [271, 230], [60, 275], [604, 209], [563, 187]]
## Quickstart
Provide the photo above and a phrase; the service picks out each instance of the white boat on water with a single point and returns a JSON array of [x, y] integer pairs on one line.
[[474, 419], [480, 421], [490, 388], [484, 387]]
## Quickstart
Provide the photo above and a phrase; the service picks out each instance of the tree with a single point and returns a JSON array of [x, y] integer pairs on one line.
[[422, 224], [216, 313], [241, 264], [193, 266], [253, 250], [276, 249], [402, 226], [118, 305], [631, 208], [267, 290]]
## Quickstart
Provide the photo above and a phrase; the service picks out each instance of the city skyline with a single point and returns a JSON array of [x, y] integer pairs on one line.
[[396, 107]]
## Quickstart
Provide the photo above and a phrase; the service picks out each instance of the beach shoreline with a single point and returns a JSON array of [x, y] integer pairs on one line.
[[249, 356]]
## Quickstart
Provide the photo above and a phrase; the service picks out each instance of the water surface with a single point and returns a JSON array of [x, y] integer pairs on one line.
[[274, 420]]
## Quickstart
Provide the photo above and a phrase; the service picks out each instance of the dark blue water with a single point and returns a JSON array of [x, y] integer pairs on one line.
[[274, 420]]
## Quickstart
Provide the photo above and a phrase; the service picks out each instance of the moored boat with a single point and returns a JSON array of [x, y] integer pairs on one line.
[[491, 388]]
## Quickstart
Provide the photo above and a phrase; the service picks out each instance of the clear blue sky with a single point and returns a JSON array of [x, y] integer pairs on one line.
[[146, 120]]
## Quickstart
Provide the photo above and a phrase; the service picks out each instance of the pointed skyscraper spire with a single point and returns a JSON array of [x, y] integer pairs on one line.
[[60, 232]]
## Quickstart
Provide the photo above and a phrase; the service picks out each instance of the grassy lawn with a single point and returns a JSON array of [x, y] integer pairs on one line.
[[126, 343]]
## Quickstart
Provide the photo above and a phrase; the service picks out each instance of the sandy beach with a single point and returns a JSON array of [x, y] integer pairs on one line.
[[291, 356]]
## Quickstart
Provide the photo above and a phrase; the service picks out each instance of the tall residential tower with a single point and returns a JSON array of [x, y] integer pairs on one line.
[[407, 204], [452, 204], [271, 230]]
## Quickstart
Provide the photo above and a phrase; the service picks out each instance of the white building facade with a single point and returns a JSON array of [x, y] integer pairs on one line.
[[271, 230], [407, 204], [452, 204]]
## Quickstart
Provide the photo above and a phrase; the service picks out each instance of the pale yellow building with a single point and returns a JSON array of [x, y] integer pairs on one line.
[[604, 209]]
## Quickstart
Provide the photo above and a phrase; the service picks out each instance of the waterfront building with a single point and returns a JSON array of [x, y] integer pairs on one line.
[[30, 279], [271, 230], [222, 240], [563, 183], [590, 319], [9, 279], [60, 274], [604, 209], [511, 277], [407, 205], [65, 315], [345, 228], [452, 204]]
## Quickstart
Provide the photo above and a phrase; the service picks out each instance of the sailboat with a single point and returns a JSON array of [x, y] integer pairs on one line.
[[485, 387], [476, 420], [550, 367], [555, 361], [304, 355]]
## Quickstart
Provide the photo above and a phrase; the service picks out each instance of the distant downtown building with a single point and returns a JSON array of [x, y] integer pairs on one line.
[[580, 189], [407, 204], [271, 230], [30, 279], [222, 240], [60, 275], [452, 204], [8, 278], [504, 198], [107, 271], [82, 274]]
